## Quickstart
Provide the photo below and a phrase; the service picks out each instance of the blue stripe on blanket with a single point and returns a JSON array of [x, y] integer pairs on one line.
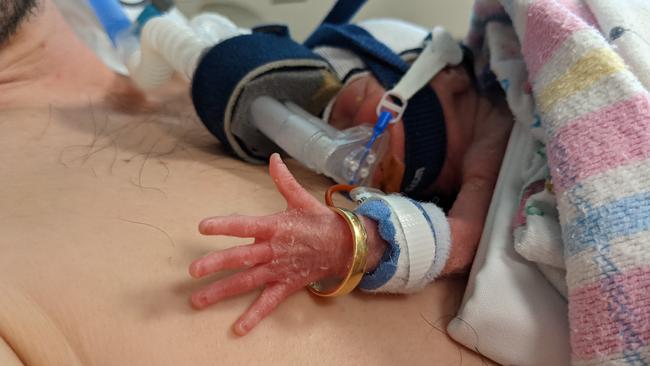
[[617, 219]]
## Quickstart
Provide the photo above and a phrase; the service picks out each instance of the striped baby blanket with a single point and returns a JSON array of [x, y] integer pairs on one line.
[[586, 96]]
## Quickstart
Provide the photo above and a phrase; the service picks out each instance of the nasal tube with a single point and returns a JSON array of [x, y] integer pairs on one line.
[[339, 154]]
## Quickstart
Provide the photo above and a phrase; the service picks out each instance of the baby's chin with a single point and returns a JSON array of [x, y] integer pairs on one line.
[[390, 168]]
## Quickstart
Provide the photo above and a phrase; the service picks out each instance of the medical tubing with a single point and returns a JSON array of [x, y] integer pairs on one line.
[[112, 17], [165, 46], [339, 154], [382, 122], [149, 12], [213, 28], [299, 137]]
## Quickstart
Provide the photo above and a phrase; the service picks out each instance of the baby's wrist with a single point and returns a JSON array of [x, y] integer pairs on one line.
[[376, 244]]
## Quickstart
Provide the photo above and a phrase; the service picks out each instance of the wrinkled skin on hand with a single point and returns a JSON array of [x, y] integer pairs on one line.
[[308, 242], [305, 243]]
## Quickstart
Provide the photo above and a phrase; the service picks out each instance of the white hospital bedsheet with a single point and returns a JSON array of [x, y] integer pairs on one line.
[[510, 312]]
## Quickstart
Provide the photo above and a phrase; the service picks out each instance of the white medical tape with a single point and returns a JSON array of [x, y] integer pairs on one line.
[[441, 50], [420, 243]]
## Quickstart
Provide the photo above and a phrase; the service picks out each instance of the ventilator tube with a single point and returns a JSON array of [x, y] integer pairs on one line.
[[336, 153]]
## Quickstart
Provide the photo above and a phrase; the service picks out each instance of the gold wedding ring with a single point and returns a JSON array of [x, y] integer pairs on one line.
[[360, 254]]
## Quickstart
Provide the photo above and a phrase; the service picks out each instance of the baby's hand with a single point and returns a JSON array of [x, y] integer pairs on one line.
[[305, 243]]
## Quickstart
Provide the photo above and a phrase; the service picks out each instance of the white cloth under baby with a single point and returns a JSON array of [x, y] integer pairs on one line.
[[511, 312]]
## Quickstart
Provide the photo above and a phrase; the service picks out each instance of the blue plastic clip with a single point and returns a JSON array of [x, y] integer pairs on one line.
[[382, 122]]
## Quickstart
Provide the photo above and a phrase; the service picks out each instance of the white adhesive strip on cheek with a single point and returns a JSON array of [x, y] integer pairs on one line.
[[419, 239]]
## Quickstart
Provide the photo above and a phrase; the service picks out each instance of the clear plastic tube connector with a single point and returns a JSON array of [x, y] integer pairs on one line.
[[340, 154]]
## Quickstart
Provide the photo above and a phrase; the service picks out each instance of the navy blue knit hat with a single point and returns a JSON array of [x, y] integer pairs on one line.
[[225, 71]]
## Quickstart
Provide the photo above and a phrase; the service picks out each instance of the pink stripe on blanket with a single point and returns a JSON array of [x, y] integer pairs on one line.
[[610, 137], [605, 324], [548, 25], [581, 10]]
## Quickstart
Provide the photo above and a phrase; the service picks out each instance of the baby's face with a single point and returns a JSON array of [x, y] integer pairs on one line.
[[357, 103]]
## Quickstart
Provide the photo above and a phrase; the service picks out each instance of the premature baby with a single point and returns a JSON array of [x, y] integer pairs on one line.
[[309, 242]]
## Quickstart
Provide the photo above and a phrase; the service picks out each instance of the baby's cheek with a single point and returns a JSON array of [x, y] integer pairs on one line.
[[347, 103], [356, 103]]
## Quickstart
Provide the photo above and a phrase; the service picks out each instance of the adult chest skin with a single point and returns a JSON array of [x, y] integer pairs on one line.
[[98, 216]]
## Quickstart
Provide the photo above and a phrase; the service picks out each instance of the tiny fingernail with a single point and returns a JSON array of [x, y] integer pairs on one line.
[[203, 225], [198, 300], [241, 328], [195, 270]]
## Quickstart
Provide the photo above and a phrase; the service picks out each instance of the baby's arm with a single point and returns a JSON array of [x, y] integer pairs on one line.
[[466, 219], [304, 244], [480, 171], [308, 242]]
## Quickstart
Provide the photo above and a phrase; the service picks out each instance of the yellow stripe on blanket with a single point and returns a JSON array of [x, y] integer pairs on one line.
[[593, 66]]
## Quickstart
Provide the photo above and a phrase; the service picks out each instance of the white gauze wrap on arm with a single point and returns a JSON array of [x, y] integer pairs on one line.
[[418, 238]]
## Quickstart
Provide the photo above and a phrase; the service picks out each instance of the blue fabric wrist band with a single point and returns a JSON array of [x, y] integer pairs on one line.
[[378, 211]]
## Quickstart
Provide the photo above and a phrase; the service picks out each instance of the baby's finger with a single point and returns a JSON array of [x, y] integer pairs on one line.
[[239, 226], [232, 258], [270, 298], [236, 284], [295, 195]]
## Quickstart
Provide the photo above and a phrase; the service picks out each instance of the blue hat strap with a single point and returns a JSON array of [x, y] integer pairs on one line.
[[385, 65], [343, 11]]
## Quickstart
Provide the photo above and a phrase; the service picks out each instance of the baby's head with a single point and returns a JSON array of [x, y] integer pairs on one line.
[[456, 90], [427, 146], [420, 158]]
